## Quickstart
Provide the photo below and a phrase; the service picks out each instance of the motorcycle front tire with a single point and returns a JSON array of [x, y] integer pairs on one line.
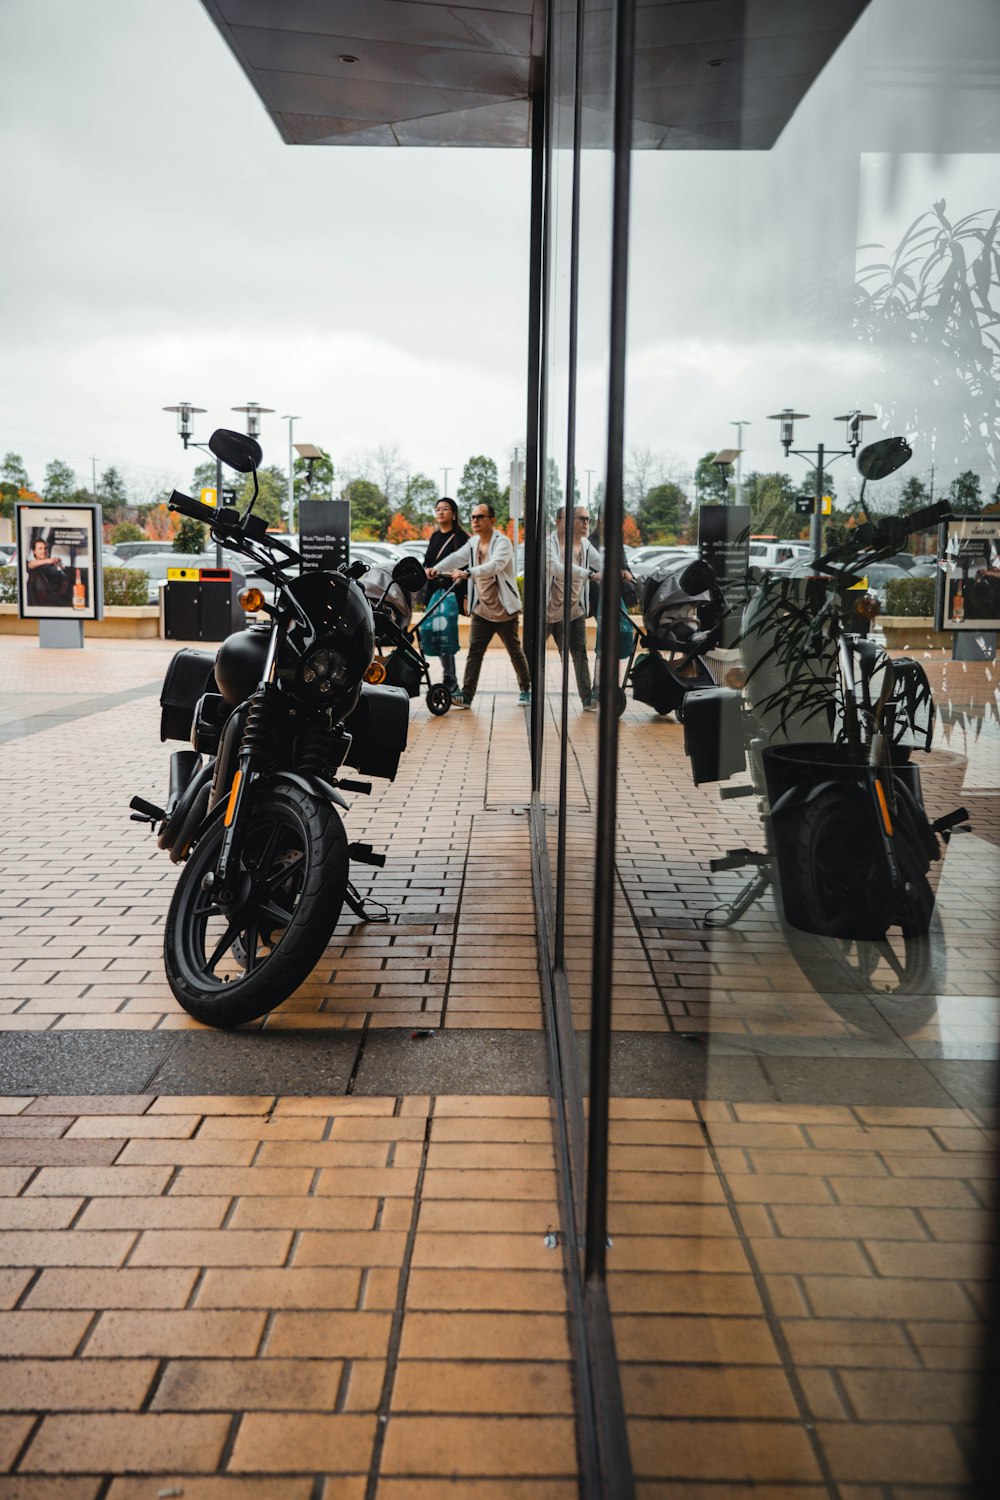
[[226, 971], [828, 868]]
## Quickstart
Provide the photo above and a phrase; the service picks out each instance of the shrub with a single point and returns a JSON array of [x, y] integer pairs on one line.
[[126, 586], [909, 596], [8, 585]]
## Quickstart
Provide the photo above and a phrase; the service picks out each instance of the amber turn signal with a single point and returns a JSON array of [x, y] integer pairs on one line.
[[736, 677], [251, 600], [375, 671], [868, 606]]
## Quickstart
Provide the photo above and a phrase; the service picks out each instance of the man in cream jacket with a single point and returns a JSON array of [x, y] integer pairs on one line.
[[487, 561]]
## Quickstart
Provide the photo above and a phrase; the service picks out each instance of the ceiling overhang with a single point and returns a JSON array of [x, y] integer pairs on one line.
[[710, 74]]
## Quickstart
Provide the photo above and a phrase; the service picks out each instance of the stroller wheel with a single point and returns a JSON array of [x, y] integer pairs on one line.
[[679, 712], [622, 701], [438, 699]]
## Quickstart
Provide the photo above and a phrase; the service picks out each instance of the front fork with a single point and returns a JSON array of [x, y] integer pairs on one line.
[[251, 760]]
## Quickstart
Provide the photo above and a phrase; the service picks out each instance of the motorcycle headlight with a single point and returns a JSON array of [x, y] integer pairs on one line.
[[325, 672]]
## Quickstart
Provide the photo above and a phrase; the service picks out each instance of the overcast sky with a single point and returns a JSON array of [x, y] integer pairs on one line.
[[162, 243]]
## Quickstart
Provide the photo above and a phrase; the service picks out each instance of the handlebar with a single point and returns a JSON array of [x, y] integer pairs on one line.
[[193, 508]]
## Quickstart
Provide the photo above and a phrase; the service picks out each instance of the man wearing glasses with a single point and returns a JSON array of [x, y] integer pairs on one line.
[[585, 564], [487, 561]]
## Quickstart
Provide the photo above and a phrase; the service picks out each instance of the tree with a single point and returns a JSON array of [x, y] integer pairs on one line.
[[659, 512], [60, 483], [387, 467], [112, 493], [189, 536], [771, 498], [965, 493], [14, 483], [400, 529], [711, 487], [419, 497], [809, 484], [127, 531], [631, 535], [161, 523], [913, 496], [480, 485], [369, 509]]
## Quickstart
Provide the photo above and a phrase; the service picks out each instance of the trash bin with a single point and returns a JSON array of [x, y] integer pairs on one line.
[[202, 604]]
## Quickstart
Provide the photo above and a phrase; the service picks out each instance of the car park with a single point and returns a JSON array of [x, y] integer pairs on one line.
[[647, 560]]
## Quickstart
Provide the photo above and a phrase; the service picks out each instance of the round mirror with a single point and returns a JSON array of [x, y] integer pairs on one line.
[[880, 459], [238, 451]]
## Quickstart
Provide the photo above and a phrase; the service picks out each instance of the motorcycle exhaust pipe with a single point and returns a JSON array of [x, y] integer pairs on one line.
[[184, 766]]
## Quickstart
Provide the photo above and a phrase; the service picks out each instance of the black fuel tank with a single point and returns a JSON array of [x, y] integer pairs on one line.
[[239, 663]]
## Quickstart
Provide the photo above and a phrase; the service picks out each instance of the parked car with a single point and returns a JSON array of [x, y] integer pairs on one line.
[[879, 575], [156, 564], [145, 549], [646, 559], [769, 554]]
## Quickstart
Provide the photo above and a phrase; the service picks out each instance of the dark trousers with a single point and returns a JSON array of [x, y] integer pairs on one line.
[[481, 632], [577, 651]]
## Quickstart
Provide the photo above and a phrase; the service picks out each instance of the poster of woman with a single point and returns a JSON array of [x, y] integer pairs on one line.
[[59, 562], [971, 568]]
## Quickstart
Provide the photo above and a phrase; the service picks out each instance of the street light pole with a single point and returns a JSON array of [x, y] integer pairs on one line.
[[739, 456], [291, 476], [855, 420], [445, 472]]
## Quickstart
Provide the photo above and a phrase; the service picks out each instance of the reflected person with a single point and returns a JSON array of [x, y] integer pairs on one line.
[[585, 564]]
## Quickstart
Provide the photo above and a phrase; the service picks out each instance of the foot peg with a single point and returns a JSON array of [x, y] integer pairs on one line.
[[364, 788], [737, 859], [146, 812], [364, 854], [725, 792], [951, 820]]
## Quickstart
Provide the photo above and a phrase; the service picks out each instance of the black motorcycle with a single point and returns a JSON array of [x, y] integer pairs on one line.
[[277, 712], [828, 723]]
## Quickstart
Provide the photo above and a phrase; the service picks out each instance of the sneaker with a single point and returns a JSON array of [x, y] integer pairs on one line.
[[590, 704], [524, 698], [459, 700]]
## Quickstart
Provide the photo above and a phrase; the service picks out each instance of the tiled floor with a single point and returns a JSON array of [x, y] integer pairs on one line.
[[305, 1288]]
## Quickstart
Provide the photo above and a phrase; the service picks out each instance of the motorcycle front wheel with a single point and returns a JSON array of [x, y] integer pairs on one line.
[[226, 970], [829, 874]]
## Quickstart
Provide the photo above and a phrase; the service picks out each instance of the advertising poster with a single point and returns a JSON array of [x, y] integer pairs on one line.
[[968, 594], [59, 562]]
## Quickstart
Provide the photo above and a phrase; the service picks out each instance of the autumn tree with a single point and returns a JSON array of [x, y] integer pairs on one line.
[[400, 529]]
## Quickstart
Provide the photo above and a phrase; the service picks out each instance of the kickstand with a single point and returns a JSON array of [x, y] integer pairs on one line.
[[364, 913], [725, 916]]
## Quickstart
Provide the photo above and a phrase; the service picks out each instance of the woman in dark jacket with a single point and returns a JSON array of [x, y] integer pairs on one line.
[[447, 539]]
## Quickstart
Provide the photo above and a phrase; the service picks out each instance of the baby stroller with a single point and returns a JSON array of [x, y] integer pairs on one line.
[[401, 661], [682, 610]]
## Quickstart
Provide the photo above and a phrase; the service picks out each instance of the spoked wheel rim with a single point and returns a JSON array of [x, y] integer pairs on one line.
[[217, 949]]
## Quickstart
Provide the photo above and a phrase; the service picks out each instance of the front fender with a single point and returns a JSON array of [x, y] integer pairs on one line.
[[309, 782], [797, 797]]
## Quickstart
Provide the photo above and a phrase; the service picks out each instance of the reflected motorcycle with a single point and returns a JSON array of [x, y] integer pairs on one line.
[[829, 722], [253, 812]]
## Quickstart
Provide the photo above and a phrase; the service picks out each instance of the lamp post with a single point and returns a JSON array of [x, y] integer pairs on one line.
[[291, 477], [723, 460], [445, 472], [821, 456], [739, 425], [310, 453], [185, 431]]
